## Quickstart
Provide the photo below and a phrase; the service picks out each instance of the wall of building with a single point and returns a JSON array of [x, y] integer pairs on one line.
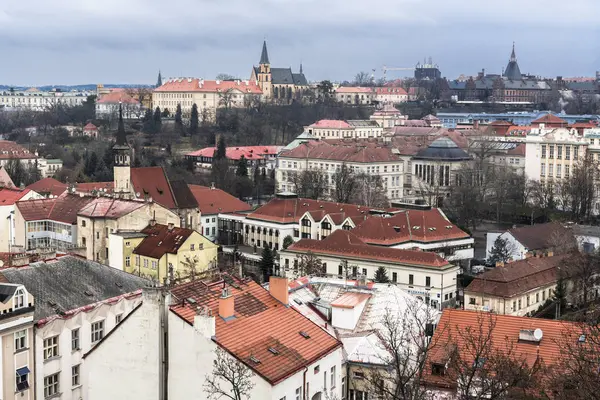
[[209, 226], [518, 250], [69, 357], [11, 360], [518, 305]]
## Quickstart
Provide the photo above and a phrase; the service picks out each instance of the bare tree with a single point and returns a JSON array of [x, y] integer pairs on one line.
[[141, 94], [370, 191], [309, 264], [309, 183], [230, 378], [226, 99], [344, 184], [190, 265]]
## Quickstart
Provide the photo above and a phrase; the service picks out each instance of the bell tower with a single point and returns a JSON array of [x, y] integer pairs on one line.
[[122, 158], [264, 72]]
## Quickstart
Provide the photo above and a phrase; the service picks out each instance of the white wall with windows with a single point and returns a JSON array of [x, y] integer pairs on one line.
[[209, 226], [48, 233], [60, 344]]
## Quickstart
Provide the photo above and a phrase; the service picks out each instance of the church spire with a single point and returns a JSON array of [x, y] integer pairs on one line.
[[301, 68], [513, 56], [159, 80], [121, 137], [264, 56]]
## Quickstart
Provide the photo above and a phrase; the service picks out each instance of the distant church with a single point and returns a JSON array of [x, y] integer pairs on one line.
[[278, 83]]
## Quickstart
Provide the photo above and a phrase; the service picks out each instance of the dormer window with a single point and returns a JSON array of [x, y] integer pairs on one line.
[[19, 299]]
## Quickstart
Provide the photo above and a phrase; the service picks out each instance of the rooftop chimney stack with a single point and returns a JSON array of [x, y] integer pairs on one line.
[[226, 304], [171, 226], [204, 322], [278, 287]]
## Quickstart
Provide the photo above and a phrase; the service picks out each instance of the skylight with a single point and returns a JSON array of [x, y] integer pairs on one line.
[[304, 335], [273, 350]]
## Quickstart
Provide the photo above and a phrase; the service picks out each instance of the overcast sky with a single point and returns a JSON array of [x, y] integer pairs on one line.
[[128, 41]]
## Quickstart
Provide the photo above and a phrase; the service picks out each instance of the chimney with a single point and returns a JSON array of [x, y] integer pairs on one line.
[[170, 226], [278, 287], [204, 322], [499, 264], [226, 305]]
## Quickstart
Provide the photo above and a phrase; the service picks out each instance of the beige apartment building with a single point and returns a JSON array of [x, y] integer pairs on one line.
[[16, 342], [339, 129]]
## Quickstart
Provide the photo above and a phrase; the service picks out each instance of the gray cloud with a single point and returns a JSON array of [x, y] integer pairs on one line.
[[74, 41]]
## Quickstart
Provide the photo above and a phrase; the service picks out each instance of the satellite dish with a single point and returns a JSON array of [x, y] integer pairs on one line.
[[538, 334], [137, 194]]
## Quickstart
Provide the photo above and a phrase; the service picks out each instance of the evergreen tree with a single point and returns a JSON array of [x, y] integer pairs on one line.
[[33, 173], [500, 252], [287, 241], [102, 173], [221, 152], [266, 263], [148, 122], [178, 120], [242, 167], [194, 121], [91, 163], [381, 275], [560, 296], [157, 120]]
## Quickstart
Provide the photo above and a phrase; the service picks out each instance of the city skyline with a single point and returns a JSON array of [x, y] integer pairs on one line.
[[109, 42]]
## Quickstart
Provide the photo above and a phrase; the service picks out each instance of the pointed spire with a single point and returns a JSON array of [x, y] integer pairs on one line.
[[513, 57], [121, 137], [264, 56], [301, 68], [159, 80]]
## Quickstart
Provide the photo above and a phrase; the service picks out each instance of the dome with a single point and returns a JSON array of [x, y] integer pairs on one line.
[[443, 149]]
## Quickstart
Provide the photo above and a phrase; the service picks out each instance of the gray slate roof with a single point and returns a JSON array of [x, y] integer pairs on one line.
[[300, 79], [6, 291], [512, 71], [442, 148], [71, 282]]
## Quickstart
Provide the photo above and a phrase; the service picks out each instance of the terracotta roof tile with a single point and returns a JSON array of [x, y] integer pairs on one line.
[[540, 236], [214, 201], [108, 207], [261, 322], [153, 182], [345, 244], [162, 240], [550, 119], [10, 150], [331, 124], [201, 85], [116, 97], [63, 208], [48, 186], [9, 196], [235, 153], [88, 187], [357, 152]]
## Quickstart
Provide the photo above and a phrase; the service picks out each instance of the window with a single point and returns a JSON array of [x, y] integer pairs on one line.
[[97, 235], [75, 339], [127, 261], [324, 380], [567, 152], [127, 244], [51, 347], [543, 171], [427, 281], [97, 331], [519, 304], [358, 375], [299, 393], [411, 279], [543, 151], [575, 152], [19, 299], [343, 387], [317, 369], [358, 395], [332, 377], [83, 223], [558, 171], [51, 385], [559, 152], [567, 168], [21, 379], [145, 263], [106, 232], [527, 301], [537, 297], [192, 247], [20, 340], [551, 170], [118, 318], [75, 375], [543, 295], [472, 300], [514, 307]]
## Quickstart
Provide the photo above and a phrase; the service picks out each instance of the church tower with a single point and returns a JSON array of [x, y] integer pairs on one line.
[[513, 72], [122, 157], [264, 72], [159, 80]]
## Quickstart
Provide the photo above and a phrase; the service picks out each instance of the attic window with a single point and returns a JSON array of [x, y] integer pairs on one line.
[[191, 300], [304, 335], [273, 350], [581, 338], [397, 228], [432, 229], [438, 369], [297, 301], [254, 360], [88, 293], [119, 285], [416, 227], [160, 191]]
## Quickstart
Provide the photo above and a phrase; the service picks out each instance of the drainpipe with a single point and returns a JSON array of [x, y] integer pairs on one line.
[[304, 384]]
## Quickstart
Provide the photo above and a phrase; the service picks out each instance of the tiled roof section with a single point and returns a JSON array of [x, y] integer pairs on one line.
[[153, 182], [162, 240], [71, 282], [331, 124], [364, 152], [261, 322], [107, 207], [89, 187], [288, 211], [116, 97], [540, 236], [518, 130], [282, 76], [48, 186], [8, 196], [235, 153], [184, 198], [353, 89], [10, 150], [408, 226], [391, 90], [63, 208], [214, 201], [453, 324], [200, 85], [345, 244], [521, 276], [350, 300], [550, 119]]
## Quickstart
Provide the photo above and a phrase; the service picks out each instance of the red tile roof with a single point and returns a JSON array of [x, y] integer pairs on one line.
[[48, 186], [521, 276], [116, 97], [90, 127], [63, 208], [357, 152], [10, 150], [331, 124], [8, 196], [286, 211], [201, 85], [517, 151], [391, 90], [261, 322], [106, 207], [89, 187], [540, 236], [345, 244], [235, 153], [423, 226], [214, 201], [453, 324], [153, 182], [551, 120], [162, 240], [353, 89]]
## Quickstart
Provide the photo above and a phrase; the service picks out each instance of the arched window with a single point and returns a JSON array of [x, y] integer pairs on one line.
[[19, 299], [276, 92]]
